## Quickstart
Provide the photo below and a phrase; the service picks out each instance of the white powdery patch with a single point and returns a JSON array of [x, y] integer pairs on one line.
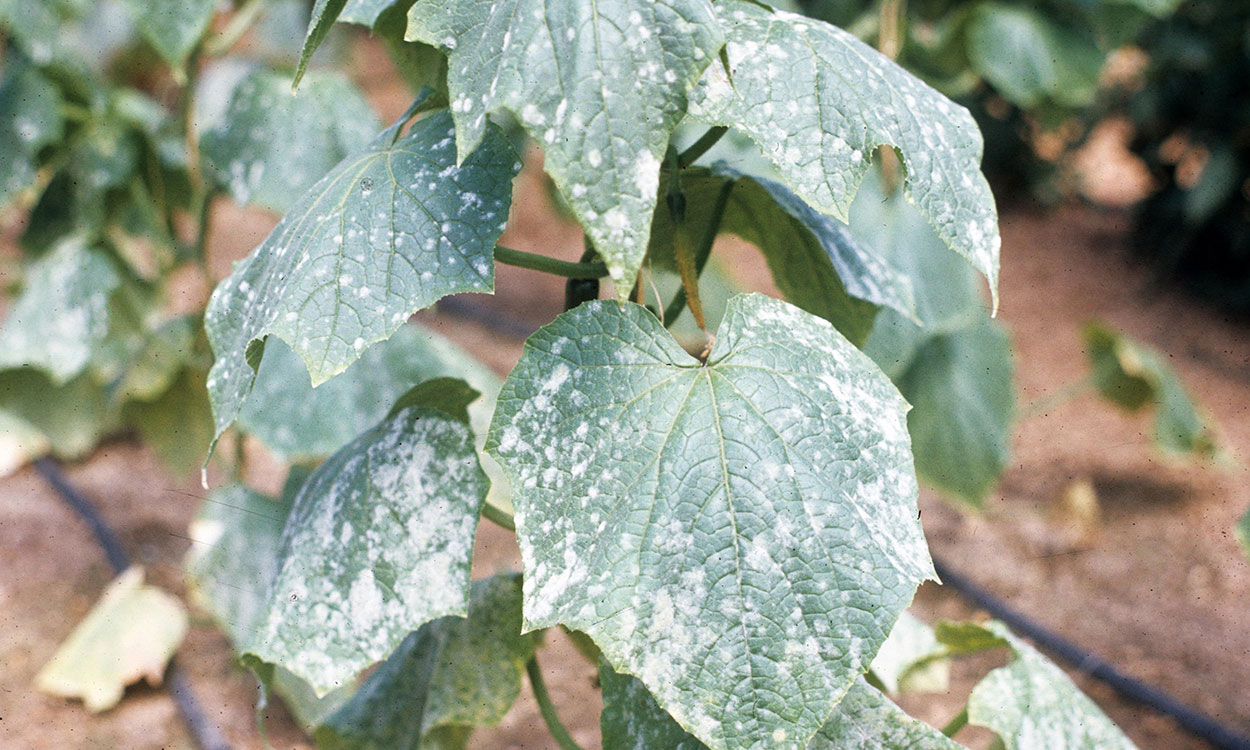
[[379, 541]]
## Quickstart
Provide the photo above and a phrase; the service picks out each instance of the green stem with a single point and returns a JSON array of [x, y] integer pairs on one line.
[[954, 725], [536, 262], [1058, 396], [498, 517], [561, 735], [236, 27], [701, 146], [703, 251]]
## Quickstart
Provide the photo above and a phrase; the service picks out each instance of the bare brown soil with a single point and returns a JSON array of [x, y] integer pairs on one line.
[[1159, 587]]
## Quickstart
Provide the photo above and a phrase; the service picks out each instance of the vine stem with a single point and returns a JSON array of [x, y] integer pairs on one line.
[[954, 725], [1058, 396], [533, 261], [548, 709], [498, 516], [702, 252], [236, 27], [701, 146]]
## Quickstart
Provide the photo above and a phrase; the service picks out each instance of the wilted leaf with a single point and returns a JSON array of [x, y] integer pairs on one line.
[[387, 232], [451, 675], [272, 146], [739, 534], [818, 102], [130, 634], [599, 85], [378, 542], [1133, 377]]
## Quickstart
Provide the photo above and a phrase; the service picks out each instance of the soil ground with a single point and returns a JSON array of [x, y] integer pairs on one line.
[[1158, 587]]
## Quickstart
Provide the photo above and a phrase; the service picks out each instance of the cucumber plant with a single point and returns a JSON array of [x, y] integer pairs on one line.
[[731, 532]]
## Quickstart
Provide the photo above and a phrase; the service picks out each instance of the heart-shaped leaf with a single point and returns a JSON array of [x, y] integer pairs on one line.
[[741, 534]]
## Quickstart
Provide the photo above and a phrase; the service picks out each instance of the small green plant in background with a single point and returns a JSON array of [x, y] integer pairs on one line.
[[735, 530]]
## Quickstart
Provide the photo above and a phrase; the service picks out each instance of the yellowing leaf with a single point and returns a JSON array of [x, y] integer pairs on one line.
[[131, 633]]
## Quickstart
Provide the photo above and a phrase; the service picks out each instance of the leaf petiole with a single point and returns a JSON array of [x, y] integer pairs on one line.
[[556, 267], [701, 146], [548, 709], [702, 252]]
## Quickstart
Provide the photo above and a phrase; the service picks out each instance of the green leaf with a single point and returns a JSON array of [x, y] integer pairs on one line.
[[378, 542], [387, 232], [72, 416], [165, 352], [741, 534], [30, 118], [600, 86], [1133, 377], [62, 314], [1031, 60], [911, 659], [172, 27], [324, 14], [36, 27], [631, 718], [130, 634], [178, 425], [451, 675], [967, 637], [273, 146], [815, 261], [1031, 703], [367, 12], [960, 387], [818, 102], [864, 720], [288, 415]]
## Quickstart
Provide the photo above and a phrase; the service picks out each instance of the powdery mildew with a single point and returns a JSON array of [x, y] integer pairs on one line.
[[818, 102], [388, 232], [378, 542], [740, 535], [600, 85]]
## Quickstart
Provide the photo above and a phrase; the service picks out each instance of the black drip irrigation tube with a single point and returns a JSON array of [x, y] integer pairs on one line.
[[1191, 720], [203, 732]]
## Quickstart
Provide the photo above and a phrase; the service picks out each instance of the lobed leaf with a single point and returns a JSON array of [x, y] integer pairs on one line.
[[451, 675], [818, 102], [599, 85], [30, 119], [62, 315], [815, 261], [864, 720], [173, 27], [271, 146], [130, 634], [740, 535], [377, 543], [387, 232], [1031, 703]]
